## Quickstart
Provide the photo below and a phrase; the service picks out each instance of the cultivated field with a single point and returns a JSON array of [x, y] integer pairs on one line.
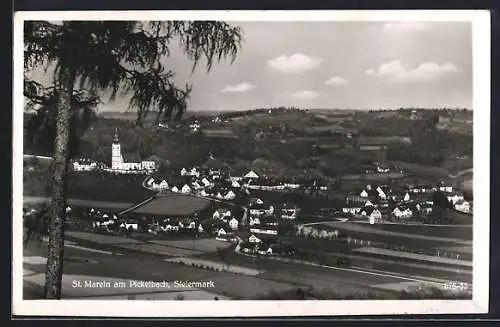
[[172, 204], [388, 234], [416, 256], [457, 232], [201, 245], [158, 249]]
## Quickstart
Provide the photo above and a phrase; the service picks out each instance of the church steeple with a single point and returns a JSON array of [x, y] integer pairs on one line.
[[116, 139]]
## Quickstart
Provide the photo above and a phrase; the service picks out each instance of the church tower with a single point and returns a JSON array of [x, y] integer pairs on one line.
[[116, 152]]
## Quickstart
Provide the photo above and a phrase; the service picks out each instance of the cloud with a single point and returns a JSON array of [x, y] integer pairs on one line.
[[304, 95], [403, 27], [396, 72], [242, 87], [337, 81], [294, 64]]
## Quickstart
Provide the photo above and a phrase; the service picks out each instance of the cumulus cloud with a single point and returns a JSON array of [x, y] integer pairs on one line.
[[242, 87], [294, 64], [305, 95], [405, 27], [396, 72], [337, 81]]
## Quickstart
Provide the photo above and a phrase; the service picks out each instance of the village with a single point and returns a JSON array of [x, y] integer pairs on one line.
[[256, 223]]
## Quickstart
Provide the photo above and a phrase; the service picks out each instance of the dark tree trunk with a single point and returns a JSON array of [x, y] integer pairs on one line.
[[54, 269]]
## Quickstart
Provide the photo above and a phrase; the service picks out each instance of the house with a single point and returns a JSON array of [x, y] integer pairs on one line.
[[233, 224], [383, 169], [264, 231], [383, 192], [196, 185], [186, 189], [402, 212], [230, 195], [163, 185], [463, 206], [184, 172], [455, 198], [200, 229], [289, 213], [235, 184], [255, 201], [254, 221], [370, 212], [351, 210], [368, 204], [363, 194], [265, 249], [406, 198], [206, 182], [257, 210], [251, 175], [174, 189], [254, 239], [204, 193], [445, 188], [221, 213], [221, 232], [375, 216], [191, 225]]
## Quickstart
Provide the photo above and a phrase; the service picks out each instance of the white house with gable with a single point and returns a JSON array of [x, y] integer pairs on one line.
[[230, 195], [251, 174], [233, 224], [186, 189]]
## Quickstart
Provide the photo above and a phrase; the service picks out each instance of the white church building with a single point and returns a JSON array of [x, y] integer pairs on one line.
[[118, 164]]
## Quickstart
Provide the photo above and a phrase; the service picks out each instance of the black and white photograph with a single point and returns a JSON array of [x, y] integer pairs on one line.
[[217, 159]]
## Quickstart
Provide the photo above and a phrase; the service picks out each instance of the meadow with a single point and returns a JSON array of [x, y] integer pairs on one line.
[[171, 204]]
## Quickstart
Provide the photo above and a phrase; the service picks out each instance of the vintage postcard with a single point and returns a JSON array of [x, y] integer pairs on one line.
[[234, 163]]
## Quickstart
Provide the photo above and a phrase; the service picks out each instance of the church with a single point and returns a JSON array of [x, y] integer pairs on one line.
[[118, 164]]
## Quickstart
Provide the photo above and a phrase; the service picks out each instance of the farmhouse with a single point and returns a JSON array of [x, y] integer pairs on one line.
[[445, 188], [402, 212], [254, 239], [264, 231], [383, 192], [255, 201], [455, 198], [163, 185], [186, 189], [351, 210], [463, 206], [230, 195], [221, 214], [254, 221], [251, 175], [233, 224], [84, 165]]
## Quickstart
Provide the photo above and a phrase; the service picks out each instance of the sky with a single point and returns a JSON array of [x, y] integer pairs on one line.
[[335, 65]]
